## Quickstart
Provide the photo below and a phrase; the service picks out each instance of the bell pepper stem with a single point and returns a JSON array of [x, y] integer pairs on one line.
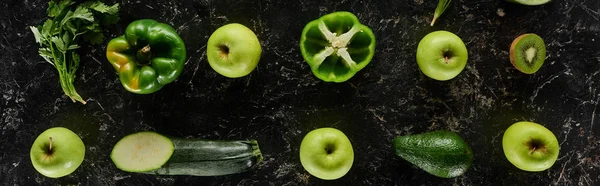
[[145, 50], [143, 55]]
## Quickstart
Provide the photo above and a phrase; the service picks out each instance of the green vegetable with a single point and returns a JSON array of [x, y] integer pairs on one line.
[[195, 157], [441, 7], [59, 36], [337, 46], [441, 153], [148, 56], [529, 2], [142, 151]]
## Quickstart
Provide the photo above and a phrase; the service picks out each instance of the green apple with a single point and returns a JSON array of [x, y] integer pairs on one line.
[[442, 55], [326, 153], [233, 50], [530, 146], [57, 152]]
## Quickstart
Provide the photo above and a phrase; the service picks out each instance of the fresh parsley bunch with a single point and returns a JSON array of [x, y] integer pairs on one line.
[[59, 35]]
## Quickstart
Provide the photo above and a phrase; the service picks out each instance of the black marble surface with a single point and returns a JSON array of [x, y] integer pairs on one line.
[[282, 100]]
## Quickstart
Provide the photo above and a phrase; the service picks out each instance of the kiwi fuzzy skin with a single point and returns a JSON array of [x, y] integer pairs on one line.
[[513, 57]]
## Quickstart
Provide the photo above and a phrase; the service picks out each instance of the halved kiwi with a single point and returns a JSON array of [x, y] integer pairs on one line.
[[529, 2], [527, 53]]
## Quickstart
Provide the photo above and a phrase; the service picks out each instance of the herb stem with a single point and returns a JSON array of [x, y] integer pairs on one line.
[[441, 7], [59, 34]]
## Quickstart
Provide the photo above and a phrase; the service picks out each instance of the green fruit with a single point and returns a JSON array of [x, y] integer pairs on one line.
[[440, 153], [441, 55], [527, 53], [57, 152], [233, 50], [530, 146], [529, 2], [326, 153]]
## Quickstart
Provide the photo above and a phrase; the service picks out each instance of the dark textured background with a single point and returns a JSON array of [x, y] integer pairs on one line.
[[281, 100]]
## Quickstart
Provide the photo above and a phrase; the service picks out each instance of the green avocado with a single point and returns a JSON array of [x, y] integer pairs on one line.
[[441, 153]]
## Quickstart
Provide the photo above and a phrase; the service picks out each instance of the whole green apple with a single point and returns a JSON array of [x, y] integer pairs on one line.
[[233, 50], [326, 153], [57, 152], [530, 146], [441, 55]]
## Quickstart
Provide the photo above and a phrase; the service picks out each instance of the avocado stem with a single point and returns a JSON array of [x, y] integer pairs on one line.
[[50, 146]]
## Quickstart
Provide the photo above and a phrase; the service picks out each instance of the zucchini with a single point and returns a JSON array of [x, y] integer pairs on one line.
[[200, 157], [441, 153], [142, 151]]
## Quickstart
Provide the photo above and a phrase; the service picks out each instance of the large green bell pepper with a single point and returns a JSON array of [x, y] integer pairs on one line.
[[148, 56], [337, 46]]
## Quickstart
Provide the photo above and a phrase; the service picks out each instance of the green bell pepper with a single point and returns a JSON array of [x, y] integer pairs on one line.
[[148, 56], [337, 46]]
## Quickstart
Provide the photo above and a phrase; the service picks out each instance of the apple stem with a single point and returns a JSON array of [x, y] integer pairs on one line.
[[446, 59], [50, 146], [532, 151]]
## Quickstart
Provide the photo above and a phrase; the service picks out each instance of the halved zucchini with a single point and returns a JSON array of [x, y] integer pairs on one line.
[[152, 153], [142, 151]]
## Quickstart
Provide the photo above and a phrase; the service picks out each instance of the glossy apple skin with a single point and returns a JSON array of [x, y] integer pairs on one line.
[[244, 50], [315, 159], [430, 55], [515, 150], [68, 148]]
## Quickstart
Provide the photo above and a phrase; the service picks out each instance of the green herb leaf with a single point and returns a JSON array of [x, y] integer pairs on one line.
[[98, 7], [94, 27], [60, 45], [111, 16], [109, 19], [84, 14], [59, 36], [46, 54], [93, 37], [36, 34], [113, 10], [66, 38], [69, 26], [81, 13], [73, 47], [65, 19], [441, 7], [55, 10], [47, 29]]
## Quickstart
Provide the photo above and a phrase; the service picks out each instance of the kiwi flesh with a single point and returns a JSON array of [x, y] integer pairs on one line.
[[529, 2], [527, 53]]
